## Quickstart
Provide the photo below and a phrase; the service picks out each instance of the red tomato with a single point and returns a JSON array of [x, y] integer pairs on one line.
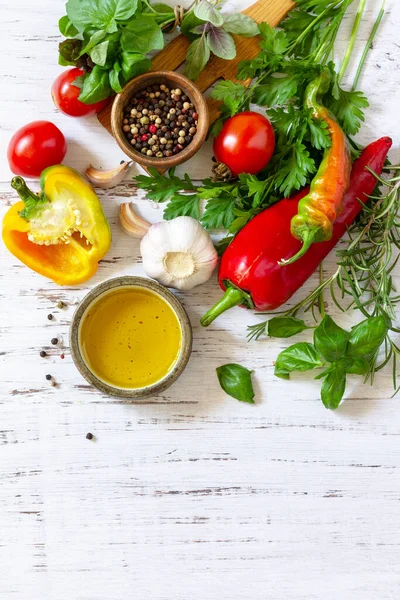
[[245, 143], [65, 96], [34, 147]]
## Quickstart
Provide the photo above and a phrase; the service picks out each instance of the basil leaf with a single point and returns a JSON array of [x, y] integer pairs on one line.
[[241, 25], [67, 29], [101, 14], [299, 357], [98, 54], [190, 21], [333, 387], [367, 337], [142, 35], [353, 365], [134, 63], [96, 86], [330, 340], [197, 57], [115, 79], [285, 327], [221, 43], [235, 380], [205, 11], [78, 81], [92, 39]]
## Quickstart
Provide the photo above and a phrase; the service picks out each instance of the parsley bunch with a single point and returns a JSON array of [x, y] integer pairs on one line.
[[289, 58]]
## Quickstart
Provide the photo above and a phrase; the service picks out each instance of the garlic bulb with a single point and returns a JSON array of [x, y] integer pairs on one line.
[[107, 179], [131, 223], [178, 253]]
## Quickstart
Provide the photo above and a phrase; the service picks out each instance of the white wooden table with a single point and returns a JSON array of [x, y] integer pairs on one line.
[[190, 495]]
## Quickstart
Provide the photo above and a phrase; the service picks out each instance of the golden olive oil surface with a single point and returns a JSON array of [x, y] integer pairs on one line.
[[130, 338]]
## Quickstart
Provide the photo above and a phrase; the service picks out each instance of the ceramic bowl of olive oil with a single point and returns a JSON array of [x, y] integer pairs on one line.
[[130, 337]]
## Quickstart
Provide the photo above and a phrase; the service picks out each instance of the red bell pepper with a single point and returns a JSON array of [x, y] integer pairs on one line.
[[249, 269]]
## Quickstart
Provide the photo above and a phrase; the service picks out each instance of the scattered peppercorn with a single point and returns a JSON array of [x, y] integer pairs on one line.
[[50, 317], [54, 341], [60, 303], [43, 353], [62, 356], [49, 377], [89, 436], [160, 112]]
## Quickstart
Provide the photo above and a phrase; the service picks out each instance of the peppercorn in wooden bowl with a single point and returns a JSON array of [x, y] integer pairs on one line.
[[160, 119]]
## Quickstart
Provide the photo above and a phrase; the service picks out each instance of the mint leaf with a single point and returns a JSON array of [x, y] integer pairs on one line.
[[221, 43], [330, 340], [300, 357], [241, 24], [333, 387], [235, 380]]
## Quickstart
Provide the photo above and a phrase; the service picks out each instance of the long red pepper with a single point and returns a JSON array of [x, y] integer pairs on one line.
[[249, 269]]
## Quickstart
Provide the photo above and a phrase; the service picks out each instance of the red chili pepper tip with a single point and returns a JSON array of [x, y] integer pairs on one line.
[[145, 137]]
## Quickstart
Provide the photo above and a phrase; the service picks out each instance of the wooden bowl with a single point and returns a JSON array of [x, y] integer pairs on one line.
[[172, 80], [78, 354]]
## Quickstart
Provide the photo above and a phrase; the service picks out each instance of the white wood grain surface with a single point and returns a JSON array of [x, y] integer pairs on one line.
[[189, 495]]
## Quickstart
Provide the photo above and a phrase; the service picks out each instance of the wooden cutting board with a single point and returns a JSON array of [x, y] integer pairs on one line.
[[172, 57]]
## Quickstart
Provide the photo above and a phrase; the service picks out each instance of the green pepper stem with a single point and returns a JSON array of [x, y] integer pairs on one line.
[[232, 297], [19, 185], [308, 238]]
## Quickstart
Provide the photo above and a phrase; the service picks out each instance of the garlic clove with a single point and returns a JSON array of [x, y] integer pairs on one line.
[[178, 253], [107, 179], [131, 223]]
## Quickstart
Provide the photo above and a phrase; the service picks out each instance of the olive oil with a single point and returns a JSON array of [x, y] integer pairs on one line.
[[130, 338]]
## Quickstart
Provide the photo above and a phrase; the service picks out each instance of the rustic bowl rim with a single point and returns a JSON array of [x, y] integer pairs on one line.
[[123, 282], [190, 90]]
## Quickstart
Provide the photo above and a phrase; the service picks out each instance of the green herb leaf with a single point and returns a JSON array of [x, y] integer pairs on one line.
[[183, 205], [67, 29], [142, 35], [285, 327], [98, 54], [227, 88], [115, 77], [273, 40], [219, 212], [276, 90], [295, 168], [333, 387], [197, 57], [221, 43], [100, 14], [96, 86], [353, 365], [241, 24], [235, 380], [348, 109], [70, 51], [330, 340], [367, 337], [161, 188], [300, 357], [190, 21], [319, 134], [205, 11], [133, 64], [90, 40]]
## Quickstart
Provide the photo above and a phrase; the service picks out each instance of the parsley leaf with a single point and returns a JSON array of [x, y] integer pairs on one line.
[[183, 205], [347, 108], [161, 188], [219, 212], [294, 169], [277, 90]]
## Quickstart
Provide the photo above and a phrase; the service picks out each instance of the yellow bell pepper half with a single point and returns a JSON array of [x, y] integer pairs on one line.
[[62, 232]]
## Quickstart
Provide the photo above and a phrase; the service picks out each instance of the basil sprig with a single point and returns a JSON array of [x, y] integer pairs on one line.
[[109, 39], [235, 380], [337, 351]]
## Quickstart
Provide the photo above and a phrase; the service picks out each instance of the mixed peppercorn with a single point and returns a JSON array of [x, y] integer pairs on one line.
[[159, 121]]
